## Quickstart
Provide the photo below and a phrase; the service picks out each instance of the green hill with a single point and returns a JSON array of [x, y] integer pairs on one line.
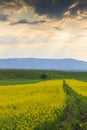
[[35, 74], [9, 76]]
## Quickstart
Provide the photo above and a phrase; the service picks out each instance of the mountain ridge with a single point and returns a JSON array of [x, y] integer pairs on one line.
[[66, 64]]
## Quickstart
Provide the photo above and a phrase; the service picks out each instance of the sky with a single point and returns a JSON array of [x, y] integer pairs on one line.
[[43, 29]]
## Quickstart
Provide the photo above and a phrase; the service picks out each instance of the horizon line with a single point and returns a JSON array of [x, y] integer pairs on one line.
[[43, 58]]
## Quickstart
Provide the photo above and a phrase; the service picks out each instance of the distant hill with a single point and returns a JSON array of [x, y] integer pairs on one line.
[[43, 64]]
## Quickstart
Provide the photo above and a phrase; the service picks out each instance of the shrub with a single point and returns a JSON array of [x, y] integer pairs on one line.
[[43, 76]]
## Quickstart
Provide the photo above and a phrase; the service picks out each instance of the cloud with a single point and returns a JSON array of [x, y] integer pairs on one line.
[[80, 6], [43, 28], [24, 21], [51, 8], [9, 40], [57, 28], [3, 17]]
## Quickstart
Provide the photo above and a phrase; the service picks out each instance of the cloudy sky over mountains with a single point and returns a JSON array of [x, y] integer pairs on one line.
[[43, 28]]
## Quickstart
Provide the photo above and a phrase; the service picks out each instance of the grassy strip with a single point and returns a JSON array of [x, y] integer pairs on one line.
[[18, 81], [75, 113]]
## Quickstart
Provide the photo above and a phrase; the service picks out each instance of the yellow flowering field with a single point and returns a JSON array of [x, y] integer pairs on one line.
[[28, 106], [79, 86]]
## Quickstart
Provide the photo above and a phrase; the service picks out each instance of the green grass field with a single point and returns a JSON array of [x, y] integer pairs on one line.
[[35, 75], [57, 103]]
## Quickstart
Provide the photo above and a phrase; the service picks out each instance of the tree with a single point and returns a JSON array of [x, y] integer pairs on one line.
[[43, 76]]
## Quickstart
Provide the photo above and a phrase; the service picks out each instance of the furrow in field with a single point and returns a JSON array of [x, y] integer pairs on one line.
[[75, 114]]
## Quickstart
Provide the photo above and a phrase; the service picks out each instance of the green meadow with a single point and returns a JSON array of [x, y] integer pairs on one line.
[[28, 102]]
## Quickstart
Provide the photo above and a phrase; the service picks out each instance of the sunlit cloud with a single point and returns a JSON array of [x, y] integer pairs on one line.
[[25, 32]]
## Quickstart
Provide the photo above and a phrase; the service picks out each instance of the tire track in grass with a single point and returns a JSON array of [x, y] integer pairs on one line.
[[75, 114]]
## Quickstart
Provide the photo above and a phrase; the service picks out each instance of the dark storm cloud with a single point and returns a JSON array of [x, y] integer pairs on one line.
[[24, 21], [82, 6], [52, 8]]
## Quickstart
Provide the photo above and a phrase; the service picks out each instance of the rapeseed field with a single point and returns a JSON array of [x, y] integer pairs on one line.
[[78, 86], [31, 106]]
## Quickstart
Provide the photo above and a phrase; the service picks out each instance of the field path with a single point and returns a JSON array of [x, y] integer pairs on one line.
[[75, 114]]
